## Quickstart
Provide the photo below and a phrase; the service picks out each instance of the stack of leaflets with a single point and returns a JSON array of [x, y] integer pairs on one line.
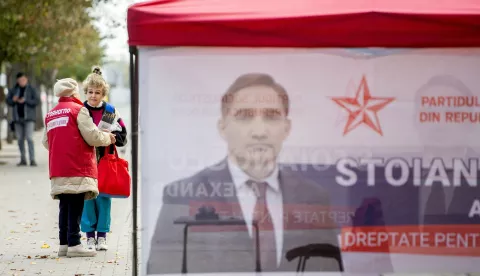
[[108, 123]]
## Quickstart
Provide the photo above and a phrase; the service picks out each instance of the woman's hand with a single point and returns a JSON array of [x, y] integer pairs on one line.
[[112, 138]]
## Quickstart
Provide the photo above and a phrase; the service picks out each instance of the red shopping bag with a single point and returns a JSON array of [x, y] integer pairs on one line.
[[113, 175]]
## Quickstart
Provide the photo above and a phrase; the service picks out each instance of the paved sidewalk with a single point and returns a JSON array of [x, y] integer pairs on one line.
[[29, 224]]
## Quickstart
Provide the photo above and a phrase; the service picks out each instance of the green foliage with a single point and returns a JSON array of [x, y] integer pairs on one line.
[[78, 61], [52, 35], [17, 31]]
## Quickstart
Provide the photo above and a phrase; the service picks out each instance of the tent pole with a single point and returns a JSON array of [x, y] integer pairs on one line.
[[134, 136]]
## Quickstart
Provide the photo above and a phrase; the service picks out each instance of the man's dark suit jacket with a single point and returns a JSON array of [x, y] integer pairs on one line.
[[457, 212], [233, 251]]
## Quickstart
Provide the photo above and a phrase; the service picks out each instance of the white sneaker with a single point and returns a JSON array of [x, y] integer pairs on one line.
[[91, 242], [62, 251], [80, 251], [102, 244]]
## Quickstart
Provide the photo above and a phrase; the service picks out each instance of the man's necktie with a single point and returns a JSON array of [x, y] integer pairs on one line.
[[265, 225]]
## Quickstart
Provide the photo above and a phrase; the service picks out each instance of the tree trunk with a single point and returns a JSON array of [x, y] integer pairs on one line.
[[49, 101], [50, 82], [2, 103], [34, 82], [11, 72]]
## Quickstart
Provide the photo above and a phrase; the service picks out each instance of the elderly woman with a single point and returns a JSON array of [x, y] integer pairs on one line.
[[71, 137], [96, 212]]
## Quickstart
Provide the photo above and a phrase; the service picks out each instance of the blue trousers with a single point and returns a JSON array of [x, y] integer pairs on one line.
[[24, 131], [96, 215]]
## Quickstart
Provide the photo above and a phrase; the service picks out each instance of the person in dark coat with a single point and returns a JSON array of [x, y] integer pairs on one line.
[[23, 98]]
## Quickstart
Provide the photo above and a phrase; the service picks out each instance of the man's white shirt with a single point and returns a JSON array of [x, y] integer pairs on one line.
[[247, 199]]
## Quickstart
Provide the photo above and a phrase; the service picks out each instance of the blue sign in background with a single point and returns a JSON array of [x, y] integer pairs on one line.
[[398, 205]]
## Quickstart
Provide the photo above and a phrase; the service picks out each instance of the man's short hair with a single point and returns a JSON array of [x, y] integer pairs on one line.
[[249, 80], [20, 74]]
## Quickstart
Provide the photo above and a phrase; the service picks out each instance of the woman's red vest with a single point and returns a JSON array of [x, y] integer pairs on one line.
[[69, 154]]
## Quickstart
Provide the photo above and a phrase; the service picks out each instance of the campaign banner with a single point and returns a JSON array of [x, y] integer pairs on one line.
[[353, 157]]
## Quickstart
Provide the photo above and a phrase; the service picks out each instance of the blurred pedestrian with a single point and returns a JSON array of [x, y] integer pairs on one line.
[[70, 137], [96, 212], [23, 98]]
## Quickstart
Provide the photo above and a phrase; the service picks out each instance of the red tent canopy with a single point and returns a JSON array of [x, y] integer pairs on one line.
[[305, 23]]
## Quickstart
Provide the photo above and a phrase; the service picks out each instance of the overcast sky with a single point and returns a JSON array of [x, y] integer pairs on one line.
[[117, 48]]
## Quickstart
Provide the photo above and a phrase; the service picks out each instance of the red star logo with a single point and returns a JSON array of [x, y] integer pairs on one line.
[[350, 91], [363, 108]]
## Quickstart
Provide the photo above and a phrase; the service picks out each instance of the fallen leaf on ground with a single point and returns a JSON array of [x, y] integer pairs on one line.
[[34, 263], [44, 246], [29, 257]]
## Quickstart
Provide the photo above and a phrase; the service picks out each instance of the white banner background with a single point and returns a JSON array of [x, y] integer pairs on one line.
[[180, 93]]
